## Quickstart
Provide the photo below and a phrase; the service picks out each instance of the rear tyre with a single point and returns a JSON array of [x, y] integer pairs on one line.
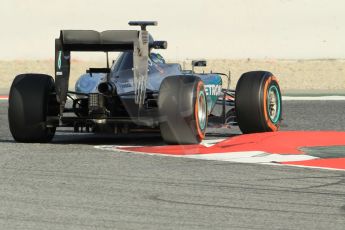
[[30, 102], [258, 102], [183, 109]]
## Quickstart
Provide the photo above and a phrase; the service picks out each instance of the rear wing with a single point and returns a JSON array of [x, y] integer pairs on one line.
[[90, 40], [106, 41]]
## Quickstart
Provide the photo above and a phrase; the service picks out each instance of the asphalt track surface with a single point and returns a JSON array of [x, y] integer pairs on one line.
[[69, 184]]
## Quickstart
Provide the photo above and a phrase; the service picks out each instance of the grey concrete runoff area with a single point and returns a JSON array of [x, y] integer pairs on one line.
[[69, 184]]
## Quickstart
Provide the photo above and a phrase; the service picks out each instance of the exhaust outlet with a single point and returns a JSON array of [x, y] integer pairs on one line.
[[107, 89]]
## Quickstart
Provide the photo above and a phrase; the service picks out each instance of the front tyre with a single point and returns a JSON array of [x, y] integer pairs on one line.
[[258, 102], [30, 102], [182, 106]]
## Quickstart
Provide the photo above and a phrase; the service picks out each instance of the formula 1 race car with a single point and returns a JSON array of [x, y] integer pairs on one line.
[[138, 92]]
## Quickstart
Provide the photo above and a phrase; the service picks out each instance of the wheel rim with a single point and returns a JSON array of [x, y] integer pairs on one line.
[[202, 116], [273, 104]]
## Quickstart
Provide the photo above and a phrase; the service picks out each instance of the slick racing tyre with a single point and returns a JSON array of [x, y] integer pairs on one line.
[[258, 102], [30, 101], [182, 106]]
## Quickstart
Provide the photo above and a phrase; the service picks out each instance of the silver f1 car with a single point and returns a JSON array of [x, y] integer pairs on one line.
[[139, 91]]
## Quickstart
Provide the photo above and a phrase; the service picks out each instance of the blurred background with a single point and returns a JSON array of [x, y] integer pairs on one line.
[[301, 41]]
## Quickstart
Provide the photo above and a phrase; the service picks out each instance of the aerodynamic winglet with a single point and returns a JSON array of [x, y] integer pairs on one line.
[[143, 24]]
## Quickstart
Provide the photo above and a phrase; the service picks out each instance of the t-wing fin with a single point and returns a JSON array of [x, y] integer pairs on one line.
[[142, 24]]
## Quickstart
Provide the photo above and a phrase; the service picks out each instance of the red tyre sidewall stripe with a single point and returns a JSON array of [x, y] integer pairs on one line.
[[201, 134], [270, 124]]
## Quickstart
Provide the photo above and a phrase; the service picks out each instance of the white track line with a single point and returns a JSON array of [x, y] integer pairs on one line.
[[251, 157], [257, 157], [314, 98]]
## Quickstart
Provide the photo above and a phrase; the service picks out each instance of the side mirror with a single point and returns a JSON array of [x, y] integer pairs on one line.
[[199, 63], [159, 45]]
